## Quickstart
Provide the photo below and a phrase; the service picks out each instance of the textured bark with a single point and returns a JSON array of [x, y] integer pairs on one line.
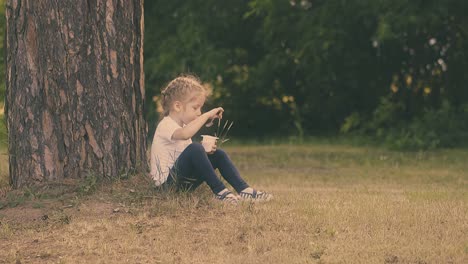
[[75, 88]]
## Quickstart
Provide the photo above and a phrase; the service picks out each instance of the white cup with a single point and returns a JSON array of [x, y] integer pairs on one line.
[[208, 142]]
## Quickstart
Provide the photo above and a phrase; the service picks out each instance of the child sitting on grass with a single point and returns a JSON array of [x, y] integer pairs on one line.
[[176, 161]]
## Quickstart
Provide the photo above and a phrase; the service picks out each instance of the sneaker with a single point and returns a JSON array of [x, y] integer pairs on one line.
[[256, 196]]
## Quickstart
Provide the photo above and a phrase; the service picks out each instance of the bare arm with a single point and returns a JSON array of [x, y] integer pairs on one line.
[[191, 128]]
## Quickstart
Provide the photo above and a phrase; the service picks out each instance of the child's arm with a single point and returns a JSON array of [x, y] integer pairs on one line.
[[190, 129]]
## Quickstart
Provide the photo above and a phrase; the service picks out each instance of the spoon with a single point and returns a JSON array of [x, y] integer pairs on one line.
[[209, 124]]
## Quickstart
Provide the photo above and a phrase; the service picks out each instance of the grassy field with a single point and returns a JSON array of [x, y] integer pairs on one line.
[[333, 204]]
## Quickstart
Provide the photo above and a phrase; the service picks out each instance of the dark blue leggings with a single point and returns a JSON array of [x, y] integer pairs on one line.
[[194, 166]]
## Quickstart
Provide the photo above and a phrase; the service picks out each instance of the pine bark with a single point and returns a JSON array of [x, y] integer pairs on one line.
[[74, 89]]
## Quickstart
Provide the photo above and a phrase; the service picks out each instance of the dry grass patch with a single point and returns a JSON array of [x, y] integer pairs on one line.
[[332, 205]]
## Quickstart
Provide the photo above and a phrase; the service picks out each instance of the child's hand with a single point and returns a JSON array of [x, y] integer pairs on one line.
[[213, 149], [215, 113]]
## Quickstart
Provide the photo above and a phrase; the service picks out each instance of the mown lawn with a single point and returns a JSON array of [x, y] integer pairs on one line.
[[333, 204]]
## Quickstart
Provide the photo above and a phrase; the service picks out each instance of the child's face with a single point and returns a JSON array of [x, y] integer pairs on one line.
[[192, 109]]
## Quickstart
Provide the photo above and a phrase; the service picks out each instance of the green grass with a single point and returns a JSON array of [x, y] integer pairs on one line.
[[333, 203]]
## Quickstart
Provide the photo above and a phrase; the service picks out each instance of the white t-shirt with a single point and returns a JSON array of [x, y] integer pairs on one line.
[[165, 150]]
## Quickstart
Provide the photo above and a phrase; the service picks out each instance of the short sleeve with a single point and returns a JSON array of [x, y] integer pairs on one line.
[[167, 128]]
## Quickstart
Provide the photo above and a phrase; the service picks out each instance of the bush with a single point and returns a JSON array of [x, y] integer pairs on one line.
[[433, 128]]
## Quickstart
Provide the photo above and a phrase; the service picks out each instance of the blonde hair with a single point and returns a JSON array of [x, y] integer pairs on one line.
[[179, 89]]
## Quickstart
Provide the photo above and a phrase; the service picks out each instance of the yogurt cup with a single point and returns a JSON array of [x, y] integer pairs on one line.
[[208, 142]]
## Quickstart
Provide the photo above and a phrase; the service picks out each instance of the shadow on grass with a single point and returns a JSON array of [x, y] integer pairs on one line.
[[135, 190]]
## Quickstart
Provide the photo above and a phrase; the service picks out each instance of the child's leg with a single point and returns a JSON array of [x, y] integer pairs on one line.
[[220, 160], [193, 167]]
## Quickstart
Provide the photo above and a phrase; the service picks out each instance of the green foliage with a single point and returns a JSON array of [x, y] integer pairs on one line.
[[3, 135], [351, 122], [302, 67], [387, 115], [443, 127], [434, 128], [2, 49], [13, 199], [89, 184], [385, 69]]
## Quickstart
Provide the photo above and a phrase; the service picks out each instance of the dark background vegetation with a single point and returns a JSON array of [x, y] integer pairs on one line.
[[392, 72]]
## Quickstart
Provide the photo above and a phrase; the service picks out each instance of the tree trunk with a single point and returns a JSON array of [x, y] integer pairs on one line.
[[75, 89]]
